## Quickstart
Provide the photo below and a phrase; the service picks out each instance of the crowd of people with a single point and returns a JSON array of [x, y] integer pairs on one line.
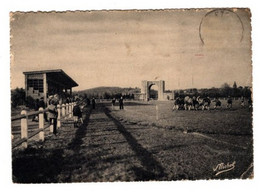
[[120, 103], [54, 100], [52, 113], [188, 103]]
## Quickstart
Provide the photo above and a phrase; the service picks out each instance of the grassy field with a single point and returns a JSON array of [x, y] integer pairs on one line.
[[235, 121], [214, 135], [132, 145]]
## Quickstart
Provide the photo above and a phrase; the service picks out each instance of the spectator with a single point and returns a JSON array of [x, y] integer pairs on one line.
[[50, 99], [77, 115], [113, 103], [93, 103], [121, 103], [36, 108], [53, 113], [88, 101]]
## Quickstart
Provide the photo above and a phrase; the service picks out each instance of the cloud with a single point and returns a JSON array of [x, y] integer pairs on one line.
[[100, 48]]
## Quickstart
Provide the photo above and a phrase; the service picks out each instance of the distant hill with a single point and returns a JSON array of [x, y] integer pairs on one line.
[[108, 92]]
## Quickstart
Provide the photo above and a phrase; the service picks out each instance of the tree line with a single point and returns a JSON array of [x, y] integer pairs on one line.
[[108, 93], [224, 91], [107, 96], [18, 94]]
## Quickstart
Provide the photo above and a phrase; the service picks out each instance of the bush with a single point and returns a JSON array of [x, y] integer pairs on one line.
[[17, 97], [30, 102]]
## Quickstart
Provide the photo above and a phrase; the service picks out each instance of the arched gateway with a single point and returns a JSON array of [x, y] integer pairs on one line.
[[146, 86]]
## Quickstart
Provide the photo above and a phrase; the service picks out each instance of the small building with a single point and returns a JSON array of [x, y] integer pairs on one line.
[[42, 84]]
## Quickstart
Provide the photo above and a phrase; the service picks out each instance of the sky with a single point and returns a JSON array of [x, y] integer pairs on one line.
[[197, 48]]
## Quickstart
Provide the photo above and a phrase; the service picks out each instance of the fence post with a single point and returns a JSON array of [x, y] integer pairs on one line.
[[72, 106], [67, 109], [41, 124], [58, 119], [24, 128], [51, 126], [157, 112], [63, 110], [70, 110]]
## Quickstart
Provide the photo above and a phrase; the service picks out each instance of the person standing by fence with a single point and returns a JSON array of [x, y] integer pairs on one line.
[[87, 101], [77, 114], [52, 114], [93, 103], [36, 108], [113, 103], [121, 103]]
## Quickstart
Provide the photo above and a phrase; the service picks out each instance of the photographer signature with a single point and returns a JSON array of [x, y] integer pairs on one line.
[[222, 167]]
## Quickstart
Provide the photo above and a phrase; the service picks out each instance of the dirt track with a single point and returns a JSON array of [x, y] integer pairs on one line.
[[105, 149]]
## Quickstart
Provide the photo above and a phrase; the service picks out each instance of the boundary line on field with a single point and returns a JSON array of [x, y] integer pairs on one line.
[[243, 174], [224, 142]]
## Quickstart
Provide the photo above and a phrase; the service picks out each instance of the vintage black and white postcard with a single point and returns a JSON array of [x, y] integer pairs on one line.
[[131, 95]]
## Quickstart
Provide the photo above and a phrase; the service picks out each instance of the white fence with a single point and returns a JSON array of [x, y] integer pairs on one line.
[[64, 111]]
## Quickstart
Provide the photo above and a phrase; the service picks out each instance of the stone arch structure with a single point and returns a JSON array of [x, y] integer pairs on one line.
[[146, 85]]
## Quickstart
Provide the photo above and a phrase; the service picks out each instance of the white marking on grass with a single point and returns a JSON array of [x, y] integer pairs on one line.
[[220, 152], [220, 141], [250, 166]]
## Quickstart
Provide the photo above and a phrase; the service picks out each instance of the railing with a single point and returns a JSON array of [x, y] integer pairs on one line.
[[64, 111]]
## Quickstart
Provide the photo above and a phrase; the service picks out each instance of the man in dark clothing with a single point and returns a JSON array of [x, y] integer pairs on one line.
[[113, 101], [93, 103], [229, 102], [88, 101], [67, 100], [121, 103], [36, 108], [41, 103], [52, 114], [77, 114]]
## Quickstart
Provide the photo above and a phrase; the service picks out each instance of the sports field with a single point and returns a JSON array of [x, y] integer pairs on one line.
[[135, 145], [234, 121]]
